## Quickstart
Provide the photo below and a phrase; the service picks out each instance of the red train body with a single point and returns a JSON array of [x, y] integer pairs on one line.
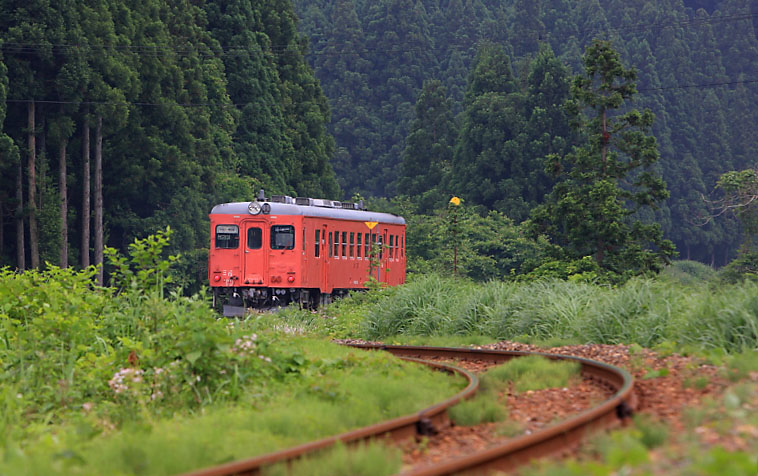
[[306, 250]]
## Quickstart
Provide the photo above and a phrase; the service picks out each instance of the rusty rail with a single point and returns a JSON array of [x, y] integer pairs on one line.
[[507, 456], [399, 429], [549, 441]]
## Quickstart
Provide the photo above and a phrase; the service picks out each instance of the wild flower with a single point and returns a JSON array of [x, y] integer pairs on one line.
[[119, 382], [245, 345], [291, 330], [88, 406]]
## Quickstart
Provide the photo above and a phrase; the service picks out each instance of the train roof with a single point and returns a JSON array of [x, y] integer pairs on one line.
[[321, 210]]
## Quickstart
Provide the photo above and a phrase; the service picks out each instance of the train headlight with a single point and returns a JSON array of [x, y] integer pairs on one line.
[[254, 208]]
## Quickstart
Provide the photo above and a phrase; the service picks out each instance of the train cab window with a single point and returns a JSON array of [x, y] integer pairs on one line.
[[318, 243], [254, 238], [282, 237], [227, 237], [392, 246], [344, 244], [330, 244], [359, 245]]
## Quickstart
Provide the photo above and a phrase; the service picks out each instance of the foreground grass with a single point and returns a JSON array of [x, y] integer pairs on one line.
[[649, 448], [337, 390]]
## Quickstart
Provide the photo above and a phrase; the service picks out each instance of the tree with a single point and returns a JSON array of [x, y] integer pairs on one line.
[[740, 198], [604, 183], [429, 148], [9, 163]]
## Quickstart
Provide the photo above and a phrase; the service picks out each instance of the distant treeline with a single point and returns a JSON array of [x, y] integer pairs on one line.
[[698, 72]]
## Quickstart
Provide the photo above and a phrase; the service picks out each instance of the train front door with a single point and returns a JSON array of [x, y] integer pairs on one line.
[[255, 256]]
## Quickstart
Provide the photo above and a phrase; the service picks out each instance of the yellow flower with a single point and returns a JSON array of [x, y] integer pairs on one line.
[[455, 201]]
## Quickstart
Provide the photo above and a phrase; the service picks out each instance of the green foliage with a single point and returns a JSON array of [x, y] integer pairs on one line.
[[643, 311], [590, 209], [80, 361], [478, 410], [531, 373], [740, 189], [374, 459], [145, 269], [689, 272], [745, 267]]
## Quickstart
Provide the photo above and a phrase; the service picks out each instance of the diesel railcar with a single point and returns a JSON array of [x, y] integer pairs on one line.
[[280, 250]]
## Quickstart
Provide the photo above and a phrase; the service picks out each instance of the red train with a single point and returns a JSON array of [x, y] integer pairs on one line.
[[306, 250]]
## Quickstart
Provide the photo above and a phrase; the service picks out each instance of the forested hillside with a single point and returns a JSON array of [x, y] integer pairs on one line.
[[122, 117], [698, 73]]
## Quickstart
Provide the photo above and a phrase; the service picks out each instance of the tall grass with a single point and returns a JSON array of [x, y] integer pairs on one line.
[[703, 315]]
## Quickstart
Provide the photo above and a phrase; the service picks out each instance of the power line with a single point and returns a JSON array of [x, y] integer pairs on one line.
[[239, 105], [699, 86]]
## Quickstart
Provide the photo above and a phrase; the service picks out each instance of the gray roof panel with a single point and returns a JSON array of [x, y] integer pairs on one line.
[[240, 208]]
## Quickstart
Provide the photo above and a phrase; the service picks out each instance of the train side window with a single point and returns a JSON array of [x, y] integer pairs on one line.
[[337, 244], [392, 246], [359, 245], [282, 237], [227, 237], [318, 243], [352, 244], [381, 247], [367, 245], [403, 246], [255, 238], [344, 244], [304, 235], [330, 244]]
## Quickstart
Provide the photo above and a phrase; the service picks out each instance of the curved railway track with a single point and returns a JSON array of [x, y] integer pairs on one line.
[[503, 457]]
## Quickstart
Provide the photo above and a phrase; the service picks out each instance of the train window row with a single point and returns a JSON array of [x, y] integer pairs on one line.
[[359, 245]]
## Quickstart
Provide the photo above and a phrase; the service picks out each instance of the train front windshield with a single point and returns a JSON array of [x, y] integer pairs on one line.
[[282, 237]]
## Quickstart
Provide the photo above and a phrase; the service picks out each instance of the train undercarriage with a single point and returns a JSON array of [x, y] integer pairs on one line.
[[236, 301]]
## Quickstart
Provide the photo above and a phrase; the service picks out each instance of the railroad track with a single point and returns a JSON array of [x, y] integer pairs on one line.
[[510, 454]]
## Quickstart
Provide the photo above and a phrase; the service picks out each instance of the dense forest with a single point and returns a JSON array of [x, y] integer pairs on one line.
[[120, 118], [697, 63]]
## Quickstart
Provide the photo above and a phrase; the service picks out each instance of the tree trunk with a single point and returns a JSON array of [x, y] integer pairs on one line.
[[32, 200], [99, 198], [20, 245], [85, 191], [62, 179]]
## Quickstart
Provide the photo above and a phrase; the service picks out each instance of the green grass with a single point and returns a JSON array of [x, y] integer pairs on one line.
[[524, 373], [703, 316], [374, 459], [483, 408], [532, 372], [336, 390]]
